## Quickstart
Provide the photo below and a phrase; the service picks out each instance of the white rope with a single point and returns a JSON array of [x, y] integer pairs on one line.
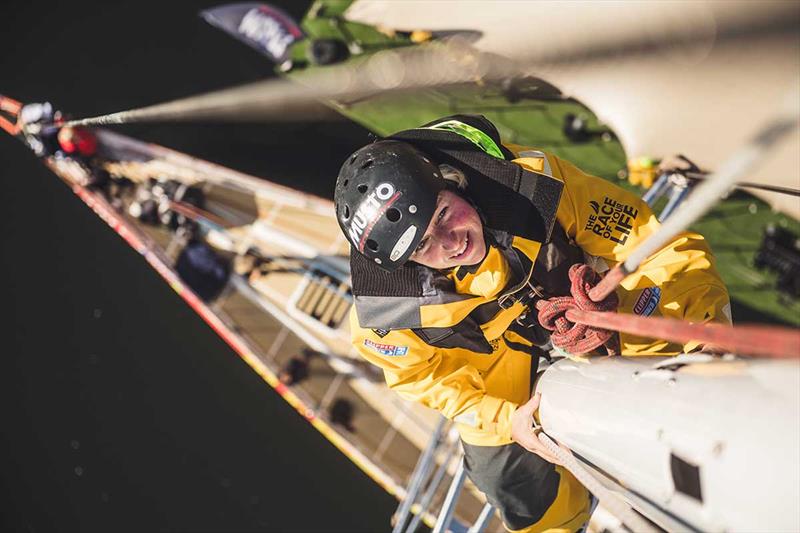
[[610, 501]]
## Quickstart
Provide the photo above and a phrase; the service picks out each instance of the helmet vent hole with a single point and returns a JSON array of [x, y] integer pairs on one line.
[[353, 159], [345, 182], [362, 188], [366, 164], [393, 214], [346, 212], [372, 245]]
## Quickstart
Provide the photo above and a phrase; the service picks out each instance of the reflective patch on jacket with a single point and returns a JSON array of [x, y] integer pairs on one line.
[[470, 418], [380, 332], [542, 164], [726, 310], [386, 349]]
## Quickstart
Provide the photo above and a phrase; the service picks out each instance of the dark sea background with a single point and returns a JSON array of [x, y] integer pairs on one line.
[[121, 410]]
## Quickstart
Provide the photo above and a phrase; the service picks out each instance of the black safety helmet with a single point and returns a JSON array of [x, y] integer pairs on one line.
[[385, 198]]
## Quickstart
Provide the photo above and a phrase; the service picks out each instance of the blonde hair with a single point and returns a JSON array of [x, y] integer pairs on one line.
[[453, 175]]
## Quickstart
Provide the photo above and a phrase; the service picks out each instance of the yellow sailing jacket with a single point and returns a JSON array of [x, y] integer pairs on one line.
[[480, 391]]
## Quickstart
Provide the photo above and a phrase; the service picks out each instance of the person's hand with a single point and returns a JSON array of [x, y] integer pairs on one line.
[[677, 164], [709, 348], [523, 433]]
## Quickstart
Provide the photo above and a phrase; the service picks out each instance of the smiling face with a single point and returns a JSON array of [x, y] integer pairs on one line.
[[454, 236]]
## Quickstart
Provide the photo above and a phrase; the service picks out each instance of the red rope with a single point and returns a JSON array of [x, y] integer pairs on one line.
[[571, 336], [751, 339], [12, 107], [609, 283], [581, 325]]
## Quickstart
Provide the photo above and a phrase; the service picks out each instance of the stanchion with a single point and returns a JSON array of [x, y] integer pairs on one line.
[[424, 465], [449, 504]]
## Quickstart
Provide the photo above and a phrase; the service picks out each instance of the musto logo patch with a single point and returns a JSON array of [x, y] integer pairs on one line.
[[386, 349], [369, 211], [611, 220], [647, 301]]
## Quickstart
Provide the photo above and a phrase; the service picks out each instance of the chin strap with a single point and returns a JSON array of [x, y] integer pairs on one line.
[[574, 337]]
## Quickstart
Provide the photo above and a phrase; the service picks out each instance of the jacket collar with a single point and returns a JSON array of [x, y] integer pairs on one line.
[[439, 303]]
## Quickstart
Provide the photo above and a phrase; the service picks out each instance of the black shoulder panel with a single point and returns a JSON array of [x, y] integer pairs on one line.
[[371, 280]]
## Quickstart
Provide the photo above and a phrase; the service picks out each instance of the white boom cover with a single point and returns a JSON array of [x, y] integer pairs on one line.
[[735, 423]]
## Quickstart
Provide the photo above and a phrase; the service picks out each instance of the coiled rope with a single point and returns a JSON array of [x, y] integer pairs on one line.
[[580, 325], [575, 337]]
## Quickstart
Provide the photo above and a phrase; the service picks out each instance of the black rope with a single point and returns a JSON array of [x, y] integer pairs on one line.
[[700, 176]]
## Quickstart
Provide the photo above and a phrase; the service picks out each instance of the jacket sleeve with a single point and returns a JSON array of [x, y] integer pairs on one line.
[[434, 377], [609, 222]]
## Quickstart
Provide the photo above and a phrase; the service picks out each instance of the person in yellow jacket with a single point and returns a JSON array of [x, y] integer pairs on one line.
[[454, 238]]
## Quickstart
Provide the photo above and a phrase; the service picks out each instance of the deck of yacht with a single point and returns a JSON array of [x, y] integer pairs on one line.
[[270, 313]]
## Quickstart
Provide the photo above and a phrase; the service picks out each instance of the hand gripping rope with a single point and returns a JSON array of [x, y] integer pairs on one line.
[[576, 337], [580, 325]]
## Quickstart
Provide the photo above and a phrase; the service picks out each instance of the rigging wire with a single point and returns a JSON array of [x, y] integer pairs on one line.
[[702, 176]]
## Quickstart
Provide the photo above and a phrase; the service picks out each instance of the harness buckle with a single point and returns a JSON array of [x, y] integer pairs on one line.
[[506, 301]]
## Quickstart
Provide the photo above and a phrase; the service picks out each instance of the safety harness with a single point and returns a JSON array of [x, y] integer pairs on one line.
[[519, 211]]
